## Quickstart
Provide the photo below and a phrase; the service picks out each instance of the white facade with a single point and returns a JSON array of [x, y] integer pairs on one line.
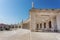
[[43, 20], [58, 21]]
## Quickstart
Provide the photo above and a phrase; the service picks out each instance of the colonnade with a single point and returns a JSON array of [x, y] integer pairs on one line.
[[15, 27], [44, 26], [9, 27], [50, 25]]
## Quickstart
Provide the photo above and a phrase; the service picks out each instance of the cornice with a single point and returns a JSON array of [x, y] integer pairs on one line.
[[45, 10]]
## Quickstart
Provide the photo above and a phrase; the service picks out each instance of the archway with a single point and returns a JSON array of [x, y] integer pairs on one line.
[[40, 25], [44, 25], [50, 26]]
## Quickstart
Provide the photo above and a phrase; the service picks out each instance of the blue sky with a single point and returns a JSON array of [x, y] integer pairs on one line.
[[13, 11]]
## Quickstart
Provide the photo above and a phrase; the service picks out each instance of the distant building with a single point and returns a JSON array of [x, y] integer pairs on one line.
[[8, 27]]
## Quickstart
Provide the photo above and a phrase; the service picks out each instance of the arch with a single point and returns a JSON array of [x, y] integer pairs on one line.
[[50, 26], [44, 25], [40, 25]]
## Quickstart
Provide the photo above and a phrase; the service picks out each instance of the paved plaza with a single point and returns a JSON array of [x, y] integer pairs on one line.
[[23, 34], [45, 36]]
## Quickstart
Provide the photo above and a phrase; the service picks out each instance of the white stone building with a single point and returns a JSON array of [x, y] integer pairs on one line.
[[43, 20]]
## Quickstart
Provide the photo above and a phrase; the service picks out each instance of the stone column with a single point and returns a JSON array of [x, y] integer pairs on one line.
[[42, 26], [54, 23], [21, 26], [18, 25], [47, 26], [39, 27], [14, 27]]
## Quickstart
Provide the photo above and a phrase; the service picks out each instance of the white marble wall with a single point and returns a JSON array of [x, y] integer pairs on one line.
[[37, 17], [33, 22], [58, 21], [20, 34]]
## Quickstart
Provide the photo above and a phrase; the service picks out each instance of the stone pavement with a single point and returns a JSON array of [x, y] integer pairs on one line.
[[23, 34], [45, 36], [20, 34]]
